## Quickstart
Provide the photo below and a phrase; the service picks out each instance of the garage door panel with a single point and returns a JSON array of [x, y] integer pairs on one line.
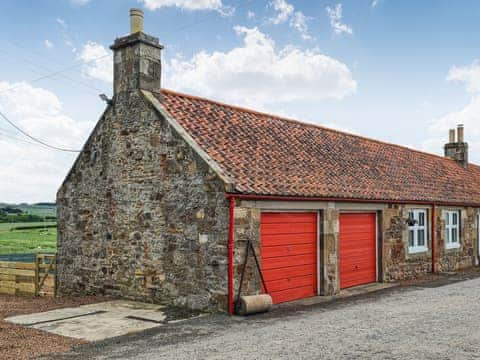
[[290, 282], [287, 239], [289, 255], [292, 271], [279, 218], [286, 261], [357, 249], [292, 294], [287, 250], [362, 253], [287, 228], [356, 280]]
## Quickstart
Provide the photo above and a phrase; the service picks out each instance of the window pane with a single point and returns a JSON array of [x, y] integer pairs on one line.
[[421, 218], [454, 236], [447, 220], [447, 233], [421, 238], [410, 238], [454, 218]]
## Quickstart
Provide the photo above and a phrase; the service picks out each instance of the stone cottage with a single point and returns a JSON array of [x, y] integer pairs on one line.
[[169, 187]]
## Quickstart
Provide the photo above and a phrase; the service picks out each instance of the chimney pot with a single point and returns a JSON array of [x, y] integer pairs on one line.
[[136, 21], [460, 133], [451, 136]]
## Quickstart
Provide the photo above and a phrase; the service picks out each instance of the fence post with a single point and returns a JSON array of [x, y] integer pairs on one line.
[[37, 275]]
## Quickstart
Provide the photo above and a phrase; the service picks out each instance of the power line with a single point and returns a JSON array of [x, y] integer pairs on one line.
[[9, 136], [46, 76], [34, 138], [32, 62]]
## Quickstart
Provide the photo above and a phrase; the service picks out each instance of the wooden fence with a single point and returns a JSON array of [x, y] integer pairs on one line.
[[34, 279]]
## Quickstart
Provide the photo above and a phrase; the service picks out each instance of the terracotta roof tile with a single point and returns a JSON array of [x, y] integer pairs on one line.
[[269, 155]]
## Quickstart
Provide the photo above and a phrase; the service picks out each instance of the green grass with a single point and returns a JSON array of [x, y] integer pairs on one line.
[[27, 241]]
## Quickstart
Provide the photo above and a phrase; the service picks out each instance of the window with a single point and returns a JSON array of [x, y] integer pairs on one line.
[[417, 231], [452, 229]]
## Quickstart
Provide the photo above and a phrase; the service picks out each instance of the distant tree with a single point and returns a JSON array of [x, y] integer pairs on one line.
[[10, 210], [49, 204]]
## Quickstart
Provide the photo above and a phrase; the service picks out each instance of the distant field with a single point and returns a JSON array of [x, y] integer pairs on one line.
[[28, 240]]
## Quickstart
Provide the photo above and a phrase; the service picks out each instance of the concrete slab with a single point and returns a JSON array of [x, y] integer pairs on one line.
[[96, 321], [96, 327], [345, 293], [52, 315]]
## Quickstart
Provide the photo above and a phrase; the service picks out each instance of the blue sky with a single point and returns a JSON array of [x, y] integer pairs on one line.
[[400, 71]]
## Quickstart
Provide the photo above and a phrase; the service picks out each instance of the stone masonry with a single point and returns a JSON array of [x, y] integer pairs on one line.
[[143, 213], [141, 216], [395, 261], [398, 264]]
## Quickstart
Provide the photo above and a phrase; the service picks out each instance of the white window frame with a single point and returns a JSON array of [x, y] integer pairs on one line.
[[416, 228], [452, 230]]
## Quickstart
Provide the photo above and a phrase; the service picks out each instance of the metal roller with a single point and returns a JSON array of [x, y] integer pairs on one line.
[[254, 304]]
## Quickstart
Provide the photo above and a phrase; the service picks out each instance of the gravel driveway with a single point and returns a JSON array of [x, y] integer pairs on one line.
[[405, 323]]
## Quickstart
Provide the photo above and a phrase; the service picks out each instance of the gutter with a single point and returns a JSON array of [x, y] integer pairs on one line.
[[231, 232], [336, 199], [433, 238]]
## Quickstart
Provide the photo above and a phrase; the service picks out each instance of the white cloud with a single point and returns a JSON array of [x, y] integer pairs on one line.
[[80, 2], [250, 15], [335, 16], [98, 62], [69, 44], [469, 116], [296, 19], [61, 22], [215, 5], [299, 22], [48, 44], [469, 75], [258, 74], [375, 3], [34, 173], [284, 11]]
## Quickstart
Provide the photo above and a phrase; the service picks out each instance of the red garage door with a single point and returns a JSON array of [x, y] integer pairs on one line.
[[358, 260], [289, 255]]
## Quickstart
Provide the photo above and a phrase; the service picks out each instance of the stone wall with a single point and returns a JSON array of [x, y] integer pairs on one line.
[[398, 264], [247, 227], [330, 252], [465, 255], [141, 215]]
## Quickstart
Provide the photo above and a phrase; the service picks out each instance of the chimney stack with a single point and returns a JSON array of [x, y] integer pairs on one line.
[[451, 136], [136, 60], [136, 21], [457, 150], [460, 133]]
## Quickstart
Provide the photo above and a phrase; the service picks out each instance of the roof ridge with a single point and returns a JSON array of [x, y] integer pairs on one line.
[[299, 122]]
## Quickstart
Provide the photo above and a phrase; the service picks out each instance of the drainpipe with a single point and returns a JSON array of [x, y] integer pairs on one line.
[[433, 238], [231, 232]]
